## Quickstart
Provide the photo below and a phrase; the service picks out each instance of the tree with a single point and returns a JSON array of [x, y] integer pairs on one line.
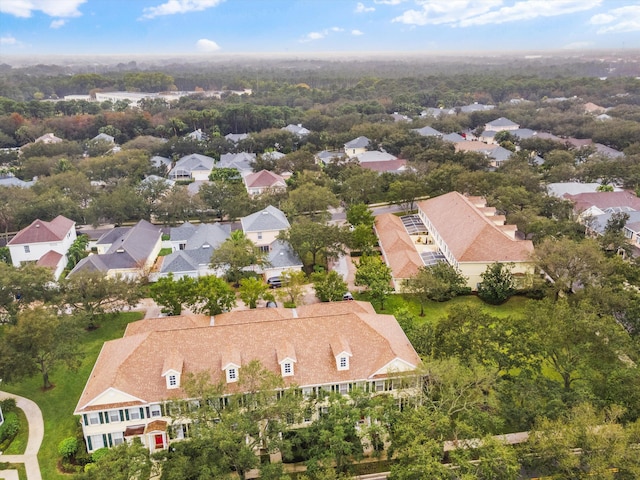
[[363, 239], [329, 287], [311, 241], [613, 241], [602, 442], [172, 294], [311, 200], [438, 282], [360, 214], [128, 461], [21, 287], [251, 290], [497, 284], [225, 199], [38, 342], [90, 294], [77, 251], [236, 253], [568, 263], [373, 273], [178, 205], [211, 296], [404, 193], [292, 289]]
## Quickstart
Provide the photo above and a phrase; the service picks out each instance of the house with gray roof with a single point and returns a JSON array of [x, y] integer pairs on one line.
[[475, 107], [453, 138], [243, 162], [607, 151], [356, 146], [437, 112], [197, 135], [500, 124], [192, 167], [103, 137], [488, 136], [298, 130], [161, 163], [264, 226], [192, 246], [124, 251], [326, 157], [236, 137], [398, 117], [281, 257], [10, 180], [427, 132]]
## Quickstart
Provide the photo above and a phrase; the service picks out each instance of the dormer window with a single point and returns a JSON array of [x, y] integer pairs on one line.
[[286, 368], [232, 374], [173, 381], [343, 362]]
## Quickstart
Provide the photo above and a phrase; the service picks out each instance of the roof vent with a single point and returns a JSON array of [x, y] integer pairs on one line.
[[120, 250], [206, 245], [265, 213], [37, 225]]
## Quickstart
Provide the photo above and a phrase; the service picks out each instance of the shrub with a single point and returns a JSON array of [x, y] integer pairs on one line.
[[68, 447], [9, 429], [98, 454]]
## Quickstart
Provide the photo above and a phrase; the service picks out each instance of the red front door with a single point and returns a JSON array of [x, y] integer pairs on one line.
[[159, 441]]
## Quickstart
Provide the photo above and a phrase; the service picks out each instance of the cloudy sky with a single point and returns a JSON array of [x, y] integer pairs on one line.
[[298, 26]]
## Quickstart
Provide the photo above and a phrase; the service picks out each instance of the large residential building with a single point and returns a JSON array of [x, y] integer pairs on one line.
[[472, 236], [45, 243], [134, 377]]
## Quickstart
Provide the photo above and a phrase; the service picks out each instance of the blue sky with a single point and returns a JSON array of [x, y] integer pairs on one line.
[[217, 27]]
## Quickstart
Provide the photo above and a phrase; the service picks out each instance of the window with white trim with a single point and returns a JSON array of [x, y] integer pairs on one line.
[[94, 418], [27, 249], [343, 388], [173, 381], [117, 438], [343, 362], [97, 442], [114, 416], [259, 235], [134, 414], [232, 374]]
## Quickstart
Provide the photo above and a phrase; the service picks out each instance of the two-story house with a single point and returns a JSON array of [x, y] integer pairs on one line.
[[45, 243], [136, 377]]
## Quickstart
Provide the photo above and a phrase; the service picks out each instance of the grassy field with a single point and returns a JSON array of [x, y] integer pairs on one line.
[[515, 306], [57, 404]]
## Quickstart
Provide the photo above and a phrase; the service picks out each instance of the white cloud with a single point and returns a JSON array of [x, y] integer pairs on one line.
[[623, 19], [53, 8], [171, 7], [204, 45], [360, 8], [57, 23], [8, 40], [464, 13], [356, 33], [310, 37], [388, 2]]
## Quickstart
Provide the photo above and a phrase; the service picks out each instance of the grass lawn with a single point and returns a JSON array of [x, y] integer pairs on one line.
[[19, 443], [57, 404], [22, 471], [434, 310]]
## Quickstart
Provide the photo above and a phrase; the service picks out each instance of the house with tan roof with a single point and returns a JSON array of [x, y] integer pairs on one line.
[[262, 181], [45, 243], [136, 377], [471, 235]]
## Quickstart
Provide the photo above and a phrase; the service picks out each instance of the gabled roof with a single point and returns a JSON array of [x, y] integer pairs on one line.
[[50, 259], [470, 235], [48, 138], [138, 241], [179, 262], [264, 179], [281, 255], [12, 181], [453, 137], [326, 156], [428, 131], [40, 231], [297, 129], [375, 156], [572, 188], [603, 200], [397, 165], [607, 151], [500, 123], [476, 107], [133, 364], [267, 219], [160, 162], [211, 234], [599, 222], [360, 142], [193, 162], [240, 161], [399, 252], [104, 137], [236, 137]]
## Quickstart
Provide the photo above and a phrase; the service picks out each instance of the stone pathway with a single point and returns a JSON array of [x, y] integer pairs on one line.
[[36, 433]]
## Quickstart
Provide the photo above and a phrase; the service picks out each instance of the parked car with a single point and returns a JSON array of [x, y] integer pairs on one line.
[[274, 282], [347, 296]]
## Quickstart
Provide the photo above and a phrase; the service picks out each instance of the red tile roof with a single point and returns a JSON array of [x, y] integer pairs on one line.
[[471, 235], [399, 251], [50, 259], [263, 179], [133, 364], [385, 166], [40, 231]]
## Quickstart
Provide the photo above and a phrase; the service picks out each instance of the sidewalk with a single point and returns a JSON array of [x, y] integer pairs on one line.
[[36, 433]]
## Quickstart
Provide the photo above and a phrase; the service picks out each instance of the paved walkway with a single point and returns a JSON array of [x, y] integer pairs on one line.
[[36, 432]]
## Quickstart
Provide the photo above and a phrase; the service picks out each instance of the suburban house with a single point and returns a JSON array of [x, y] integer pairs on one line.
[[427, 132], [126, 251], [192, 167], [588, 205], [298, 130], [561, 189], [475, 107], [356, 146], [397, 117], [192, 246], [48, 138], [135, 378], [243, 162], [437, 112], [325, 157], [197, 135], [236, 137], [597, 224], [281, 257], [262, 181], [496, 154], [471, 236], [454, 228], [45, 243], [10, 180], [263, 227]]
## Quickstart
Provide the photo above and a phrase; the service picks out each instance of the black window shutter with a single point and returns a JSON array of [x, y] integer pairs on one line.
[[86, 422], [89, 442]]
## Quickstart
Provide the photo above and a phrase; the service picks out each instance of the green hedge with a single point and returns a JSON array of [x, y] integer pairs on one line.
[[9, 429]]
